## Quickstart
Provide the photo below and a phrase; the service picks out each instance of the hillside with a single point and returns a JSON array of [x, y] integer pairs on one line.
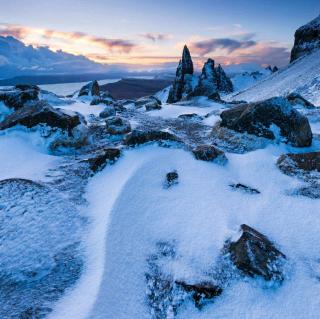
[[301, 76]]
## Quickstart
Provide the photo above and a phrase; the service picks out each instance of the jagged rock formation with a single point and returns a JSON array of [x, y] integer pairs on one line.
[[182, 84], [224, 84], [90, 89], [208, 83], [307, 39], [266, 117]]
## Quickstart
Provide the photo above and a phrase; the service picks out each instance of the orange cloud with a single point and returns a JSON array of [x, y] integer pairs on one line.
[[54, 39]]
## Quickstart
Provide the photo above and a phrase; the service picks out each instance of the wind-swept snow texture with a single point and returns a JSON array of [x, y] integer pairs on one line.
[[302, 76], [132, 212]]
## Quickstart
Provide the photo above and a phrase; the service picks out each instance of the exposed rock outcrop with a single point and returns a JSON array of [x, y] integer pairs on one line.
[[293, 164], [108, 111], [171, 179], [255, 255], [99, 160], [117, 125], [20, 95], [201, 292], [268, 119], [297, 99], [209, 153], [90, 89], [306, 39], [182, 84], [138, 137], [42, 113]]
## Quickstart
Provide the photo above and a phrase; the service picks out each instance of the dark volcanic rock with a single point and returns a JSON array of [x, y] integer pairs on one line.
[[297, 99], [90, 89], [117, 125], [209, 153], [306, 39], [191, 116], [171, 179], [201, 292], [107, 112], [149, 102], [212, 81], [20, 95], [182, 84], [245, 188], [102, 158], [41, 113], [224, 84], [292, 163], [258, 119], [138, 137], [207, 84], [255, 255]]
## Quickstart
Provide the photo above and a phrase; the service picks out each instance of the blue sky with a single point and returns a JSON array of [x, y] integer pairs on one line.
[[158, 29]]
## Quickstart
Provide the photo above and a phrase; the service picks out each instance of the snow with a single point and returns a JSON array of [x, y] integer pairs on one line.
[[301, 77], [24, 156], [199, 213]]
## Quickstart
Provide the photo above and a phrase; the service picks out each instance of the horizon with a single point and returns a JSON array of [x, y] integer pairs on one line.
[[149, 36]]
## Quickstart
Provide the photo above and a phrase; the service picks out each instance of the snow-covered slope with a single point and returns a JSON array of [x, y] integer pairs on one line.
[[301, 76]]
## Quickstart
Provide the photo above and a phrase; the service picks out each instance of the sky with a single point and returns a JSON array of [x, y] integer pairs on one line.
[[145, 34]]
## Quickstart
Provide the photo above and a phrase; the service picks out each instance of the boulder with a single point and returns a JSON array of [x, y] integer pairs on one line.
[[102, 158], [255, 255], [269, 118], [138, 137], [108, 112], [297, 99], [293, 163], [182, 84], [209, 153], [90, 89], [306, 39], [117, 125], [151, 106], [42, 113], [20, 95], [200, 292], [148, 100]]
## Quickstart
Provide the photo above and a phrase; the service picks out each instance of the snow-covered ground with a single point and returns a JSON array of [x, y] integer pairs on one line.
[[301, 76], [129, 211], [132, 211]]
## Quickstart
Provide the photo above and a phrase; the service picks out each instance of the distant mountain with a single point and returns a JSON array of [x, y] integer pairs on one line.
[[17, 59]]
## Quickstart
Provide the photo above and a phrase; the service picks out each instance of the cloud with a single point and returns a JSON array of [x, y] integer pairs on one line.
[[156, 36], [33, 35], [206, 46]]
